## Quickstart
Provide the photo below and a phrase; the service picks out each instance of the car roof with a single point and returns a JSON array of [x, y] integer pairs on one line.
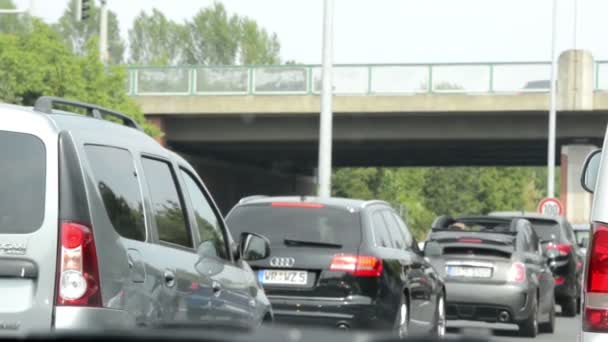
[[527, 215], [356, 204]]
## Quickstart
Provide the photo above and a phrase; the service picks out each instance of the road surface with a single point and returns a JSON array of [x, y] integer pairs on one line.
[[566, 330]]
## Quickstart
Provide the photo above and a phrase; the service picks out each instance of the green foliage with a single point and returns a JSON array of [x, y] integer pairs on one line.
[[421, 194], [26, 74], [12, 23], [211, 37], [76, 34]]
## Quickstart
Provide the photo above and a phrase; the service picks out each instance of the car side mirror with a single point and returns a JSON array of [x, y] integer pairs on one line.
[[253, 247], [208, 263], [590, 171]]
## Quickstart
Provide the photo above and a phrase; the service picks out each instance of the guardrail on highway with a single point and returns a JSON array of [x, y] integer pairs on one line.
[[372, 79]]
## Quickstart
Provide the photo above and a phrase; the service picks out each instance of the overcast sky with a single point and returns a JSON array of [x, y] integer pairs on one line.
[[399, 31]]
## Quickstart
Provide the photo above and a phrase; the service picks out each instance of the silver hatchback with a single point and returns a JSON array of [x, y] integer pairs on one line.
[[103, 228]]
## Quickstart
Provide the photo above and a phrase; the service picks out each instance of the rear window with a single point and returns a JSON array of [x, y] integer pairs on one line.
[[23, 181], [546, 229], [327, 225]]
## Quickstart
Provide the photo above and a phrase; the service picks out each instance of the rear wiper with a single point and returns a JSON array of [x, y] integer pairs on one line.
[[291, 242]]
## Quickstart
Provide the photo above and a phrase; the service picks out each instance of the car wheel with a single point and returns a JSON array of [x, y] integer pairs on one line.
[[529, 328], [549, 326], [569, 307], [440, 320], [403, 319]]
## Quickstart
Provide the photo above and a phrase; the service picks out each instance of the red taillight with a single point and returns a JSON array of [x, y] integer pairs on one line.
[[517, 273], [597, 273], [297, 205], [563, 249], [78, 273], [359, 266], [470, 240], [559, 280], [595, 319]]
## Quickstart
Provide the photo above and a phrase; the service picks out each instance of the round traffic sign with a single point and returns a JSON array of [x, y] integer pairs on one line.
[[551, 206]]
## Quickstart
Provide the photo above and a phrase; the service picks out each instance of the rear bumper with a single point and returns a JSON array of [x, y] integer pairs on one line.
[[353, 312], [484, 302], [592, 337], [79, 318]]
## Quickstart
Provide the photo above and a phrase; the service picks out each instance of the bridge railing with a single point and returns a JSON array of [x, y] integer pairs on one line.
[[372, 79]]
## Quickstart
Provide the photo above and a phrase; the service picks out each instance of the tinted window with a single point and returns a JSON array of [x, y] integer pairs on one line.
[[117, 182], [546, 229], [168, 212], [208, 225], [409, 239], [381, 234], [393, 228], [22, 183], [325, 224]]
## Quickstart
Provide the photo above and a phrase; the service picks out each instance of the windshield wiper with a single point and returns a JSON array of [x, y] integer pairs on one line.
[[291, 242]]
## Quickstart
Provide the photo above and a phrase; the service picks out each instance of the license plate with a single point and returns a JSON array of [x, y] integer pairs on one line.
[[469, 272], [283, 277]]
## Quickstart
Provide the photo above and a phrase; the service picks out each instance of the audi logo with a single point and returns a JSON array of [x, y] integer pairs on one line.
[[282, 262]]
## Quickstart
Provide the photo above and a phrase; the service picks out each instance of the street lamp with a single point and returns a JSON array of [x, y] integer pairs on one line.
[[326, 119], [552, 109]]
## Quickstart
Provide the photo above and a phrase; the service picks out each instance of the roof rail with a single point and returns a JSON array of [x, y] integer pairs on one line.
[[250, 198], [45, 104], [372, 202]]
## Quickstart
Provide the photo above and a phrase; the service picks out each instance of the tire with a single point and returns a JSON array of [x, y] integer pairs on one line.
[[403, 318], [529, 327], [549, 327], [578, 305], [440, 320], [569, 307]]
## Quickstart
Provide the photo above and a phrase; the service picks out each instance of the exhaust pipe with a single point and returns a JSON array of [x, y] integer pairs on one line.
[[343, 326], [504, 316]]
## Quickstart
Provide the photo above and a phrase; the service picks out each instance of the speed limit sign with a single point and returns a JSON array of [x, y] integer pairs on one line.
[[551, 206]]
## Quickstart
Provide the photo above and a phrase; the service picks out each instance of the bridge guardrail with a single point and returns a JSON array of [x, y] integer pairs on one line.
[[371, 79]]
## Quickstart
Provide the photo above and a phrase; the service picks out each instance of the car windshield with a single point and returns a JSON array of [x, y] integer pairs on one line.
[[293, 226], [144, 142]]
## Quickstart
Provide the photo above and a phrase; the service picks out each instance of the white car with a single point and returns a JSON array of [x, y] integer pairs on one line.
[[594, 325]]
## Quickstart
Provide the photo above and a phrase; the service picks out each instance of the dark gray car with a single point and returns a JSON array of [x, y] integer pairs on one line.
[[102, 228], [494, 271]]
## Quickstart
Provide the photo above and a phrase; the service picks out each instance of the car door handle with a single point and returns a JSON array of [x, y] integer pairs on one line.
[[169, 278], [216, 287]]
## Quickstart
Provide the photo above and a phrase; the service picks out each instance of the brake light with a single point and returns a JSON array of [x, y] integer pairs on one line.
[[517, 273], [597, 274], [595, 319], [559, 280], [563, 249], [298, 205], [470, 240], [359, 266], [78, 272]]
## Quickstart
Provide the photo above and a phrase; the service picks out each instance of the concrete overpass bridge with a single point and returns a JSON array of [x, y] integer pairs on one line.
[[265, 118]]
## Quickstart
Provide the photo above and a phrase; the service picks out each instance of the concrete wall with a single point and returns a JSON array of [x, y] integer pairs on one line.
[[229, 182], [576, 201]]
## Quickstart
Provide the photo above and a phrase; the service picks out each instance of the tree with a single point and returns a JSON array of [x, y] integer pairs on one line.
[[77, 33], [256, 45], [154, 39], [26, 74]]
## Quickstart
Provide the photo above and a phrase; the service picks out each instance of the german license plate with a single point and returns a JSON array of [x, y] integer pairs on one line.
[[284, 277], [469, 272]]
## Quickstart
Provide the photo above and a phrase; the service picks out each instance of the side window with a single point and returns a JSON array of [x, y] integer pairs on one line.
[[166, 204], [570, 235], [393, 228], [117, 182], [381, 235], [209, 227], [409, 239]]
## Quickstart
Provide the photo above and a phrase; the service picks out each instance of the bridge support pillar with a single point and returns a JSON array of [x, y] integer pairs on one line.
[[575, 81], [576, 201], [159, 122]]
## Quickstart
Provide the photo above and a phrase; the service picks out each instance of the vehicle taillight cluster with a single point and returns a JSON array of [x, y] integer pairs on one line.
[[564, 249], [596, 319], [357, 265], [78, 273], [517, 273]]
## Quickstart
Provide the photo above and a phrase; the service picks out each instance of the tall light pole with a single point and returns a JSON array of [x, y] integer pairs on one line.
[[103, 32], [552, 108], [326, 119]]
